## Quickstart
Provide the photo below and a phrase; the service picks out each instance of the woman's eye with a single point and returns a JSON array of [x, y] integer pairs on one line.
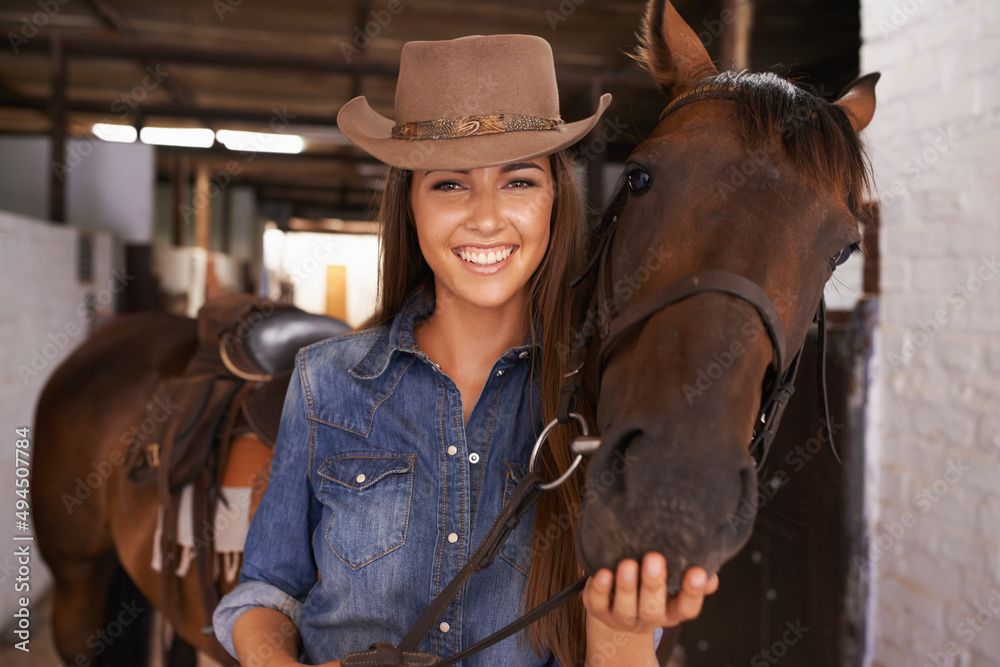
[[446, 186], [521, 183], [638, 181]]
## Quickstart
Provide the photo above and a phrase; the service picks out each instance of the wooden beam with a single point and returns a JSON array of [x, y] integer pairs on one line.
[[7, 91], [258, 59], [737, 17], [114, 19], [14, 101], [57, 117], [623, 80]]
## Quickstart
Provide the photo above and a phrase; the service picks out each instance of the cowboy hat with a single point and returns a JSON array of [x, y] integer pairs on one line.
[[468, 103]]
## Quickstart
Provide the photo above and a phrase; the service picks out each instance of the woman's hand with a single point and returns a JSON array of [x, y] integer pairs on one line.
[[635, 602]]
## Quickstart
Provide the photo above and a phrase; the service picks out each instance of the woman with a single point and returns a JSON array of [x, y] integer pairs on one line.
[[400, 442]]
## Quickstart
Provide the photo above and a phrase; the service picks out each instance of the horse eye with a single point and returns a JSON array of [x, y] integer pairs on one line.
[[844, 255], [638, 181]]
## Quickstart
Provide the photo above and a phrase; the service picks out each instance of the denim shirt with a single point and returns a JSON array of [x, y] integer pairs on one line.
[[379, 493]]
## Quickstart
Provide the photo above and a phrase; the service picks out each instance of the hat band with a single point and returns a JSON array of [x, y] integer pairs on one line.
[[470, 126]]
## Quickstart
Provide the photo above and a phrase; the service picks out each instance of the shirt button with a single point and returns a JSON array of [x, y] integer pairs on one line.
[[473, 458], [453, 538], [523, 355], [360, 478], [452, 450], [500, 373], [444, 627]]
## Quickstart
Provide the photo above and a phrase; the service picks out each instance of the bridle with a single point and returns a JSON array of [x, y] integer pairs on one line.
[[773, 404], [775, 397], [613, 327]]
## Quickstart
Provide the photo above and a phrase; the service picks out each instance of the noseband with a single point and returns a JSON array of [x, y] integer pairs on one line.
[[780, 389]]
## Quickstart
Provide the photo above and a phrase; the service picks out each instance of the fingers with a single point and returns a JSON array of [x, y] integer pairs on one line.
[[653, 590], [713, 585], [687, 604], [636, 601], [629, 599], [597, 593], [625, 603]]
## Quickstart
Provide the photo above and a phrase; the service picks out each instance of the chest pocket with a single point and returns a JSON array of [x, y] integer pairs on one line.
[[517, 549], [368, 500]]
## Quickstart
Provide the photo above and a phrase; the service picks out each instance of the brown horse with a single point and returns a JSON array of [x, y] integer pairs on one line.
[[88, 519], [751, 185], [90, 516]]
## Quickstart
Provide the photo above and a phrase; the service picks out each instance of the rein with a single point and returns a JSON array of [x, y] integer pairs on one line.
[[531, 486], [521, 500]]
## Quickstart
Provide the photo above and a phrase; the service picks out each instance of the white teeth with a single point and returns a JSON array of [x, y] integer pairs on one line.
[[483, 258]]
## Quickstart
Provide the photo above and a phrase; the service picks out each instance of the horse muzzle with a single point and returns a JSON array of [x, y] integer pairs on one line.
[[645, 493]]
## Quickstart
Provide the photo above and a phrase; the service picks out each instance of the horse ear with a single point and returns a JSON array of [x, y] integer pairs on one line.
[[858, 100], [670, 49]]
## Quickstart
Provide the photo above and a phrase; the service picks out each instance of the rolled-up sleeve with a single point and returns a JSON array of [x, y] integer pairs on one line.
[[279, 569]]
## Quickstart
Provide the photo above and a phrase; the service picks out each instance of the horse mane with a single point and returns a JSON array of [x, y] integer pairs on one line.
[[817, 135]]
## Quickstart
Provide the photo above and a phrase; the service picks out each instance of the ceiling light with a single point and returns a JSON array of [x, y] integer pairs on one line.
[[193, 137], [263, 142], [124, 134]]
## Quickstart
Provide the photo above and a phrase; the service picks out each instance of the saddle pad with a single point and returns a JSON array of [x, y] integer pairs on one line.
[[231, 525]]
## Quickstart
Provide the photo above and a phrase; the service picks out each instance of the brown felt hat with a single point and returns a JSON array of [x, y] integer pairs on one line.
[[468, 103]]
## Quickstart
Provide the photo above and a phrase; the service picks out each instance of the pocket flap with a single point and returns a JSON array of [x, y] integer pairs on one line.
[[360, 472]]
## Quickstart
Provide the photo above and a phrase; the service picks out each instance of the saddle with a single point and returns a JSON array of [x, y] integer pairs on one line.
[[234, 384]]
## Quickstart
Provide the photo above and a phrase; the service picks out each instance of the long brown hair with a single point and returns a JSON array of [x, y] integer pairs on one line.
[[403, 271]]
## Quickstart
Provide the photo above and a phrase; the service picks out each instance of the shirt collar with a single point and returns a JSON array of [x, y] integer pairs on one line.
[[400, 337]]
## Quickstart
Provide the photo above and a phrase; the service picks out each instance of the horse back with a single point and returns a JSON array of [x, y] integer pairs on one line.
[[84, 417]]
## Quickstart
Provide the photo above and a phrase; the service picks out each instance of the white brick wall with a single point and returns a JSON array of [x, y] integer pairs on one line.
[[43, 319], [934, 452]]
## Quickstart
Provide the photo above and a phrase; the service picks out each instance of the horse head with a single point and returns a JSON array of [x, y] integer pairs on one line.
[[733, 215]]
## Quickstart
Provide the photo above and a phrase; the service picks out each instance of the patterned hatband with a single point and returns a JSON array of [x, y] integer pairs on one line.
[[470, 126]]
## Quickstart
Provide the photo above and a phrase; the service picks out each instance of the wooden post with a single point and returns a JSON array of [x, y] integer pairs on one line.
[[57, 115], [182, 197], [202, 208], [226, 221], [595, 151], [361, 9], [871, 221], [737, 17]]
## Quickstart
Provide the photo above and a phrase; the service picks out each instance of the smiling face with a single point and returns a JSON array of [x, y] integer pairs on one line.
[[484, 232]]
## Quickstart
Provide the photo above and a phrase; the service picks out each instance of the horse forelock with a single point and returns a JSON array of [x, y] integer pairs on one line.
[[816, 135]]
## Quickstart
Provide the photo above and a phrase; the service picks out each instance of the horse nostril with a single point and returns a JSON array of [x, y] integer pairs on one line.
[[611, 461]]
